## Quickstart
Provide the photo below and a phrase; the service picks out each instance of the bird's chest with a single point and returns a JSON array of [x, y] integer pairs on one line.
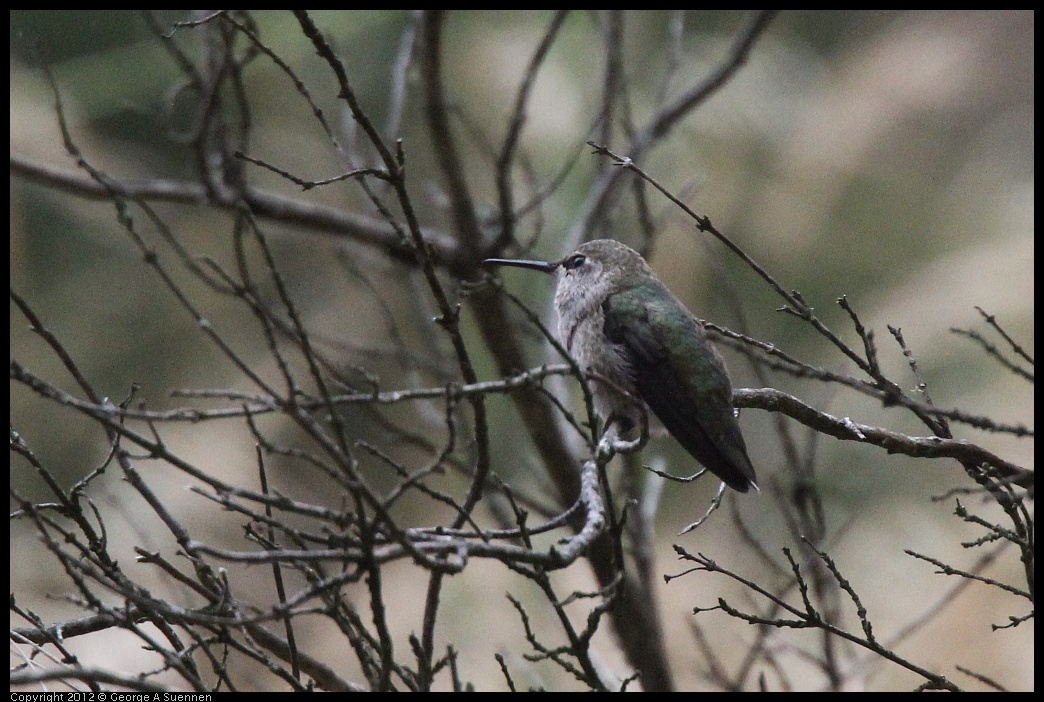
[[584, 337]]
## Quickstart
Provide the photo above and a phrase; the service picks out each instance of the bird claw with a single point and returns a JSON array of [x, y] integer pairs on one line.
[[611, 444]]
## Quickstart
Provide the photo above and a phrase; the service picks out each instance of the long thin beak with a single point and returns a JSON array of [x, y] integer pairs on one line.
[[545, 266]]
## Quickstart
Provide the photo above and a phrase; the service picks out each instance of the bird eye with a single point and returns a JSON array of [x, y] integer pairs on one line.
[[574, 261]]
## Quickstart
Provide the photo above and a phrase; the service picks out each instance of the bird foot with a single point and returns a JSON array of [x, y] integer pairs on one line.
[[611, 444]]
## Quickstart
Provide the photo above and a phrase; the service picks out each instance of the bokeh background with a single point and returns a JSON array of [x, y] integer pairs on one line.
[[883, 156]]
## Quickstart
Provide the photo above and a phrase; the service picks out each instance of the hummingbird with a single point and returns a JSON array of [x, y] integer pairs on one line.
[[619, 322]]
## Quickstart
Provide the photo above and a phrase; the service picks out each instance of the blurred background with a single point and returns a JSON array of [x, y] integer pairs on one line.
[[882, 156]]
